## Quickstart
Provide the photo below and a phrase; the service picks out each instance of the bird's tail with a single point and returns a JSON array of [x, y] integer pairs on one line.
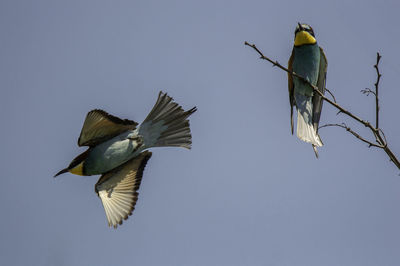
[[305, 129], [167, 124]]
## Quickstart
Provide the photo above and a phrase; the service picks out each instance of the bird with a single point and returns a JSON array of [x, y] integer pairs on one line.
[[118, 151], [309, 61]]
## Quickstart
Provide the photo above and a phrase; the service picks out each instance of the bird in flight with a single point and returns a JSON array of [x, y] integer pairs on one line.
[[118, 152]]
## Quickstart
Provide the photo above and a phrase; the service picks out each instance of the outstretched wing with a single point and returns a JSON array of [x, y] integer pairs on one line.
[[100, 126], [118, 188], [291, 89], [321, 82]]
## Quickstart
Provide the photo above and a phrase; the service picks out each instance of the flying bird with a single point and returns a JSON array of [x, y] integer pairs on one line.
[[307, 60], [118, 152]]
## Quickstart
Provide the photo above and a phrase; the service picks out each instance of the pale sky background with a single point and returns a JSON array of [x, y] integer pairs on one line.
[[248, 193]]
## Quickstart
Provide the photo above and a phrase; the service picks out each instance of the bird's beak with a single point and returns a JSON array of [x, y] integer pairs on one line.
[[62, 172], [300, 27]]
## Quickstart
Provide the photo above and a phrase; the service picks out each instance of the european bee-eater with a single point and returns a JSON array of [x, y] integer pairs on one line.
[[307, 60], [118, 151]]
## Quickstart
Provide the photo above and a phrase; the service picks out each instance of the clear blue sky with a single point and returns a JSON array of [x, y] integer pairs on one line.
[[248, 193]]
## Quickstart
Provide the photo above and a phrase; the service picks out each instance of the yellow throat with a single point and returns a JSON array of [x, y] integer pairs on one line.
[[77, 170], [303, 37]]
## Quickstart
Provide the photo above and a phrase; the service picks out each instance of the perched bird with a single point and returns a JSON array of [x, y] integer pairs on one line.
[[118, 151], [307, 60]]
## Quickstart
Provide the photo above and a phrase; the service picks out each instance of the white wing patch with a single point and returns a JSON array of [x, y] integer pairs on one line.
[[117, 189]]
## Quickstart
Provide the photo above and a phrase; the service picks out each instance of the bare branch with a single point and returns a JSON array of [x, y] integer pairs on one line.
[[333, 96], [380, 138], [343, 125], [384, 137], [378, 78], [274, 63]]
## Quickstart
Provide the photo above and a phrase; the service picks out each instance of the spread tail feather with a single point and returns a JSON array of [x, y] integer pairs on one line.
[[167, 124]]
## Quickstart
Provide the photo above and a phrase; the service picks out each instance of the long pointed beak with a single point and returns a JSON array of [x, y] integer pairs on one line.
[[61, 172], [300, 27]]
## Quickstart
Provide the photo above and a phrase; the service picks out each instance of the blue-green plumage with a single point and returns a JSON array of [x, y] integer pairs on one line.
[[112, 153], [308, 61]]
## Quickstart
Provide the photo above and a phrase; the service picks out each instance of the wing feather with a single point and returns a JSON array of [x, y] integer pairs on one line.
[[321, 82], [100, 126], [291, 89], [118, 188]]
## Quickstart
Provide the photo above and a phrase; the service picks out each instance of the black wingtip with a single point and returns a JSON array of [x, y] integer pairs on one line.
[[191, 111], [61, 172]]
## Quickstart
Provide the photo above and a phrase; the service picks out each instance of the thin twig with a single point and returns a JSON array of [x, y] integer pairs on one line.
[[333, 96], [383, 134], [368, 91], [378, 78], [376, 131], [343, 125]]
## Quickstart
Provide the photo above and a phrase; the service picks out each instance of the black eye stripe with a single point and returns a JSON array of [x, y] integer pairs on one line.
[[298, 30], [306, 28]]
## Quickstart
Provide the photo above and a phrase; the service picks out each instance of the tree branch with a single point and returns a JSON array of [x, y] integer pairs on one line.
[[378, 78], [376, 131], [333, 96], [343, 125]]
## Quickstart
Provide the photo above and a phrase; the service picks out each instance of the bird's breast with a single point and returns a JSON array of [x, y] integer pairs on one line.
[[306, 64]]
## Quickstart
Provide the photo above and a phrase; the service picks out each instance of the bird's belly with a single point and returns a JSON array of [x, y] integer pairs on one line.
[[306, 64], [110, 154]]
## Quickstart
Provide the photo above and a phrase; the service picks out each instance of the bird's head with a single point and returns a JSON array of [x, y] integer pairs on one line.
[[304, 34], [77, 165]]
